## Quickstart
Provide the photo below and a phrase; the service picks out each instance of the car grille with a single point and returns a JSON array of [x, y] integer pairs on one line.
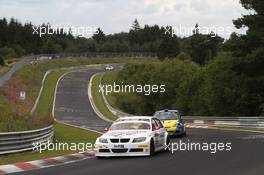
[[114, 140], [119, 150], [133, 150], [104, 150], [124, 140], [119, 140]]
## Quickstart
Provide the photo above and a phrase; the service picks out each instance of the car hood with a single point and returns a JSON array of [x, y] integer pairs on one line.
[[169, 123], [125, 133]]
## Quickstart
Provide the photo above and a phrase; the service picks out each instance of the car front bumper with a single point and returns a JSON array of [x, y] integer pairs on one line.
[[121, 149], [172, 131]]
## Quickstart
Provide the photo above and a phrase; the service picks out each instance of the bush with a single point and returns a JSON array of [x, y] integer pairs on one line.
[[176, 75], [7, 52], [2, 62]]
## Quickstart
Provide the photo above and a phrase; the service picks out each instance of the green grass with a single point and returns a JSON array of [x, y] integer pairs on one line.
[[98, 99], [45, 104], [3, 70], [109, 78], [63, 134]]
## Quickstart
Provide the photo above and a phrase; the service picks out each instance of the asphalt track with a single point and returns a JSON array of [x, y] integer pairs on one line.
[[73, 107]]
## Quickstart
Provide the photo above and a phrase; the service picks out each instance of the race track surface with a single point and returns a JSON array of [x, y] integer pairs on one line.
[[72, 106], [246, 158]]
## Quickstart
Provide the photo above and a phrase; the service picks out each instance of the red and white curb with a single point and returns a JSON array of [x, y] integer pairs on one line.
[[43, 163]]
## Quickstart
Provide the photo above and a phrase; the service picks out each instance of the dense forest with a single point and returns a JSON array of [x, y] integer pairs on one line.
[[230, 84], [17, 39]]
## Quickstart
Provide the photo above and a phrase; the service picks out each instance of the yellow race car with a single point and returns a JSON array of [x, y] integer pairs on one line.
[[172, 121]]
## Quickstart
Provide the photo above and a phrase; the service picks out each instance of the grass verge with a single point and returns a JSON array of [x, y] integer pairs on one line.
[[109, 78], [45, 104], [3, 70], [98, 99]]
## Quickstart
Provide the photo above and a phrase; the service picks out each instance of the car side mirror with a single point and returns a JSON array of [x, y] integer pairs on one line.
[[156, 128], [106, 129]]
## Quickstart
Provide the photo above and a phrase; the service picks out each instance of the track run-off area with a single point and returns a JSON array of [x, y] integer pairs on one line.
[[72, 106]]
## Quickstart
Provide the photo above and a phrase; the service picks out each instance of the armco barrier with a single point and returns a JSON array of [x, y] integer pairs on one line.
[[246, 122], [99, 54], [13, 142]]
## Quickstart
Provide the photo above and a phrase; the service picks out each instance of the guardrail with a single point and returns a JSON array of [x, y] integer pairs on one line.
[[99, 54], [246, 122], [13, 142]]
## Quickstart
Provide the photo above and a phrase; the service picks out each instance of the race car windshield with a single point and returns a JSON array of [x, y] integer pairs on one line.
[[130, 126], [167, 115]]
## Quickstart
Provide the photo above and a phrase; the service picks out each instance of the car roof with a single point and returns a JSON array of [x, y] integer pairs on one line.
[[168, 110], [135, 118]]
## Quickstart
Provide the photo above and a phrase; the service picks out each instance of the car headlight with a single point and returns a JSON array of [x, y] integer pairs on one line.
[[139, 139], [103, 140]]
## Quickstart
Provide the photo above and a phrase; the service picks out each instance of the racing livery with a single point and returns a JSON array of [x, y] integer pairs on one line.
[[172, 121], [132, 136]]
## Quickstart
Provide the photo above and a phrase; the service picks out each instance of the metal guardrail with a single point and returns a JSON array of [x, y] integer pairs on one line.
[[13, 142], [247, 122], [100, 54]]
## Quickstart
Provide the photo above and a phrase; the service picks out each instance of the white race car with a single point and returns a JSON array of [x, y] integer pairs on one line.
[[109, 67], [132, 136]]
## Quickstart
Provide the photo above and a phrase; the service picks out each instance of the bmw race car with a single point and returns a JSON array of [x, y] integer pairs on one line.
[[109, 67], [172, 121], [132, 136]]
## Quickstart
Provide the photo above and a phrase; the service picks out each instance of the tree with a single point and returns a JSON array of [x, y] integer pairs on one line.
[[135, 25], [202, 47], [169, 47], [249, 52], [99, 36], [196, 30]]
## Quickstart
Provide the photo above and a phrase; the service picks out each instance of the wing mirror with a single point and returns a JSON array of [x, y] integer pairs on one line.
[[106, 129], [156, 128]]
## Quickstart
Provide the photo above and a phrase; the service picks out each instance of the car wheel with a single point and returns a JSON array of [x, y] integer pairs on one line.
[[152, 148]]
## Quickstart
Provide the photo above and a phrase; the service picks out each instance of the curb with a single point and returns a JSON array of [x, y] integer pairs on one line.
[[90, 97], [44, 163], [198, 126]]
